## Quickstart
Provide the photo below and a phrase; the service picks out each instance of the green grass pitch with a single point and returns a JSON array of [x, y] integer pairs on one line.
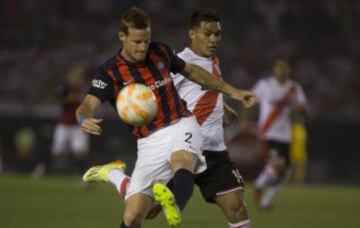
[[60, 202]]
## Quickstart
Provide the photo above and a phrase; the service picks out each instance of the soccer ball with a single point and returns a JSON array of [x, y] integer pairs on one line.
[[136, 104]]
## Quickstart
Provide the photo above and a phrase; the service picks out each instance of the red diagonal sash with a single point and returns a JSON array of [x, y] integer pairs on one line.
[[207, 102], [277, 110]]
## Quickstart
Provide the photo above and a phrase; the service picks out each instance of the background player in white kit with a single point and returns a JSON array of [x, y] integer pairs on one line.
[[279, 97]]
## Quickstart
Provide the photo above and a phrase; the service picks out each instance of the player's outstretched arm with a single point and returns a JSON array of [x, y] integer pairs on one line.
[[204, 78], [84, 114]]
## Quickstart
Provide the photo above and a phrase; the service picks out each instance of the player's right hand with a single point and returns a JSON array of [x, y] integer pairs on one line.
[[92, 126], [247, 98]]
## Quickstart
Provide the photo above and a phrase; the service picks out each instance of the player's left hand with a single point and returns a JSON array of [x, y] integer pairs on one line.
[[247, 98]]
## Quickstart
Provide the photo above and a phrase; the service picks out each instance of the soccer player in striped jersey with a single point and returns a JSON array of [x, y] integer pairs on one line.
[[278, 97], [169, 146]]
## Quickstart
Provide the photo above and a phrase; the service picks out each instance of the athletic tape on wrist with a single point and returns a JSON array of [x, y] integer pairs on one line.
[[81, 119]]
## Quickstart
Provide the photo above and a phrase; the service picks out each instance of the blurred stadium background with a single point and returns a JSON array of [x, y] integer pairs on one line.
[[41, 40]]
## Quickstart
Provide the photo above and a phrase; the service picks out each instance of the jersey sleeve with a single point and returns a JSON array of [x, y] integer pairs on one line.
[[101, 86], [177, 64], [178, 80]]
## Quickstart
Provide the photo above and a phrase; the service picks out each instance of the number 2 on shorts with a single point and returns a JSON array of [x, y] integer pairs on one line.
[[188, 137]]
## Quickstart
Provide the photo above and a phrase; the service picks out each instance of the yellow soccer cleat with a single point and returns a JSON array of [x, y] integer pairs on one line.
[[100, 173], [166, 199]]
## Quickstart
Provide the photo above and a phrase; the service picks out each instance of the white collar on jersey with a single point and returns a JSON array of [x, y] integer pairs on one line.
[[190, 51]]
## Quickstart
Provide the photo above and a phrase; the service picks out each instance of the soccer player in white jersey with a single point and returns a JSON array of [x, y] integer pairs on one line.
[[221, 183], [279, 97]]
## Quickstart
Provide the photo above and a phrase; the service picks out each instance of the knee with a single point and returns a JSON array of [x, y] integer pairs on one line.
[[278, 163], [236, 211], [183, 160], [133, 218]]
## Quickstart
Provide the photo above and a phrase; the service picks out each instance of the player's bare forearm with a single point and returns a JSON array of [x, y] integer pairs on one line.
[[87, 107], [204, 78], [84, 115]]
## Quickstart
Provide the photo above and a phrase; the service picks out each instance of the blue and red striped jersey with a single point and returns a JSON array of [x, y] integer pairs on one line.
[[154, 72]]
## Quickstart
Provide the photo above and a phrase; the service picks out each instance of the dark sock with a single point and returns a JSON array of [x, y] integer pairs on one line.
[[170, 184], [123, 225], [183, 187]]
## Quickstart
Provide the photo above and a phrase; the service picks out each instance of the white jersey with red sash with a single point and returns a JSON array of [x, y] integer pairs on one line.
[[275, 100], [207, 105]]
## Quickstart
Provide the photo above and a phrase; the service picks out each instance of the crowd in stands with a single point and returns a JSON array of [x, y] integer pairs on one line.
[[41, 40]]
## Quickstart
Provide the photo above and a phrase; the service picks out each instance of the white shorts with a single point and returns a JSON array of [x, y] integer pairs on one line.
[[69, 137], [154, 152]]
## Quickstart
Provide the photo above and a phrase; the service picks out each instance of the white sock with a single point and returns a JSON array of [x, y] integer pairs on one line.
[[242, 224], [269, 196], [120, 180], [266, 176]]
